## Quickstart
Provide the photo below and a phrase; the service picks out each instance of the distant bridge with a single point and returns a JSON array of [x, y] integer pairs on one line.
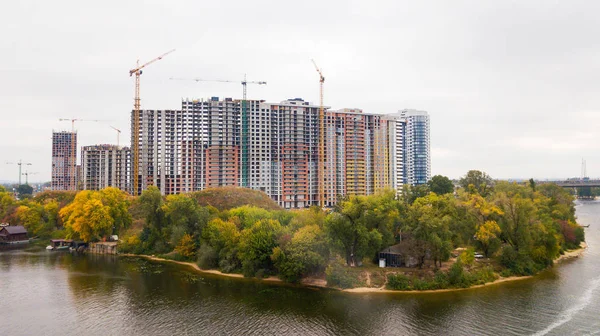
[[573, 183]]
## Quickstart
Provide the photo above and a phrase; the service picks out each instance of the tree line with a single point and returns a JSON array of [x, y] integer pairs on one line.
[[523, 227]]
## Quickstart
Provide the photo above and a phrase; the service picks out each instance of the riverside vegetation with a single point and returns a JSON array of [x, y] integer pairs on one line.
[[520, 229]]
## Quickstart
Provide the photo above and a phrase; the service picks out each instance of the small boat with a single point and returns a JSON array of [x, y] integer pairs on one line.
[[59, 245], [585, 226]]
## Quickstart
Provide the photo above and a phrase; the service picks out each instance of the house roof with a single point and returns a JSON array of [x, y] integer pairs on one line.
[[15, 229], [394, 249]]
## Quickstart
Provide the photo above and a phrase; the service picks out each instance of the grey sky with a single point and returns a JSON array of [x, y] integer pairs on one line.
[[511, 86]]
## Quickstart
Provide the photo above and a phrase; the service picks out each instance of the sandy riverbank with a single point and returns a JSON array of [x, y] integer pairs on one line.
[[567, 255], [197, 268], [321, 283]]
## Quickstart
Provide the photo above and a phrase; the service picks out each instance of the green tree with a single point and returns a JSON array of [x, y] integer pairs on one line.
[[182, 212], [24, 189], [348, 230], [441, 185], [429, 222], [532, 184], [248, 215], [476, 181], [256, 246], [118, 203], [219, 246], [305, 254]]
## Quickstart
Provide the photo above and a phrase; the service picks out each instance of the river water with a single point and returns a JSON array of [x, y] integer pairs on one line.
[[44, 293]]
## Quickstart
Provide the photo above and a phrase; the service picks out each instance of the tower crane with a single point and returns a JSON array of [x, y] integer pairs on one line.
[[118, 134], [75, 119], [26, 173], [20, 163], [321, 138], [137, 71], [245, 82]]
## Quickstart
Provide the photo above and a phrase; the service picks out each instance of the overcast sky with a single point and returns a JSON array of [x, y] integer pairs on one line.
[[512, 87]]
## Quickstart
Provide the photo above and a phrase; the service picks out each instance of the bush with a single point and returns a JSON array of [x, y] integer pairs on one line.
[[338, 276], [229, 265], [422, 284], [398, 282], [468, 257], [131, 244], [441, 280], [509, 257], [261, 273], [482, 276], [520, 263], [456, 275], [207, 257]]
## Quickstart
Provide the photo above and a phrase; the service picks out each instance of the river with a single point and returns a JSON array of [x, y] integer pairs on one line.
[[44, 293]]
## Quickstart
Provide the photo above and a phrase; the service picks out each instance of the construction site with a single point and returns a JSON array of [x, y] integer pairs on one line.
[[300, 154]]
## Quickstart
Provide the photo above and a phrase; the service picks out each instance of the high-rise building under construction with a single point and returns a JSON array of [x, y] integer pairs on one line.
[[64, 161], [105, 166], [200, 146]]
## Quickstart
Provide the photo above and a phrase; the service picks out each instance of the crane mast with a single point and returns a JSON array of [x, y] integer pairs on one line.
[[321, 138], [137, 71], [20, 164]]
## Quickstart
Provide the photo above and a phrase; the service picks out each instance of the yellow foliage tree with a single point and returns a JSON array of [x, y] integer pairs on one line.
[[87, 217], [487, 234], [186, 247]]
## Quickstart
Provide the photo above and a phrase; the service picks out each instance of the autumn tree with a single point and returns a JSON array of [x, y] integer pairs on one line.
[[487, 235], [87, 217], [186, 247]]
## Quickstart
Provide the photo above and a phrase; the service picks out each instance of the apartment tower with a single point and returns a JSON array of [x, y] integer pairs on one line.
[[64, 161], [105, 166]]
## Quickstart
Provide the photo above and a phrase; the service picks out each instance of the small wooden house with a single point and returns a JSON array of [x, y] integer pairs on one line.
[[13, 234], [398, 255]]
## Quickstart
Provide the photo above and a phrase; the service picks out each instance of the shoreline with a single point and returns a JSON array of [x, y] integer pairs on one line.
[[320, 283]]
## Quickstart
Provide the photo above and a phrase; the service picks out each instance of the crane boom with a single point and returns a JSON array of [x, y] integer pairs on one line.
[[118, 133], [134, 71], [136, 120], [321, 138]]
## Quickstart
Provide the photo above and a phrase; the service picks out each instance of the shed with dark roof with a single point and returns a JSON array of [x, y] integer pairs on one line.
[[13, 234]]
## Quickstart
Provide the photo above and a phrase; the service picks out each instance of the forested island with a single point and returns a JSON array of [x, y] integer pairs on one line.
[[519, 229]]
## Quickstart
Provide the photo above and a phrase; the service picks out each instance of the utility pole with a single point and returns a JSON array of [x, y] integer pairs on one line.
[[20, 163]]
